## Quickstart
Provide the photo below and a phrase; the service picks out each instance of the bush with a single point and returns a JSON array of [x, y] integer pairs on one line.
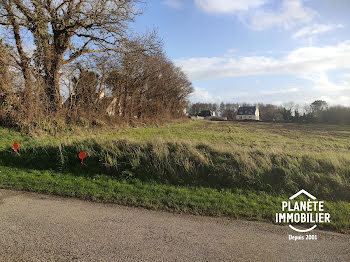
[[198, 165]]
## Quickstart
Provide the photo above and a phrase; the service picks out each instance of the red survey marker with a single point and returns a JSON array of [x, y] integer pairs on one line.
[[15, 146], [82, 156]]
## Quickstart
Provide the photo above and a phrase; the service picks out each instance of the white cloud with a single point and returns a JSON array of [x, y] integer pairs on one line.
[[315, 29], [267, 96], [291, 13], [281, 92], [322, 83], [177, 4], [338, 100], [335, 93], [255, 14], [309, 63], [228, 6], [301, 95], [202, 95], [301, 62]]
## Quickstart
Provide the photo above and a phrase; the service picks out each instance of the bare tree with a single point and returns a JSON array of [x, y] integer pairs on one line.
[[63, 31], [147, 84], [4, 73]]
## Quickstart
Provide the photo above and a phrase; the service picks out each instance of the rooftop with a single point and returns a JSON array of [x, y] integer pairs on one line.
[[246, 110]]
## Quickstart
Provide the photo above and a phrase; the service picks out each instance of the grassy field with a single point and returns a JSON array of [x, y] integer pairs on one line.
[[241, 170]]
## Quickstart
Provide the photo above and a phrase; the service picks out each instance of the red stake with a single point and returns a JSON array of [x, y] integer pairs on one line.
[[82, 156], [15, 146]]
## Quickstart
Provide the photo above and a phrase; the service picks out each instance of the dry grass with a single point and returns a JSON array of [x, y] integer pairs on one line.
[[217, 158]]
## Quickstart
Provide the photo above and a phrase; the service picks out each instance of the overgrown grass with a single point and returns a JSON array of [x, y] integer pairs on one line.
[[232, 169]]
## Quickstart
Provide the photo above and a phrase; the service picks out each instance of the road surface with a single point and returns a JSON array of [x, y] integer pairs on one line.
[[36, 227]]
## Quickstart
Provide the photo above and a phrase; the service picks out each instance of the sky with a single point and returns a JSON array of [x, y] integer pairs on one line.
[[257, 51]]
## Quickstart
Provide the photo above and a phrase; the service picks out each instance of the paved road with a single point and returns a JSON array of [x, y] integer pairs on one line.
[[37, 227]]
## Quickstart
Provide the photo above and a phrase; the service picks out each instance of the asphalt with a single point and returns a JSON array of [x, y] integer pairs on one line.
[[36, 227]]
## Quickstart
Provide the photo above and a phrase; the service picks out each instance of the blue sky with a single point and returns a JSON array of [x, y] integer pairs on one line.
[[271, 51]]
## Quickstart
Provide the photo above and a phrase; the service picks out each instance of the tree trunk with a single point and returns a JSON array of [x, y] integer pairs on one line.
[[53, 62], [24, 64], [53, 89], [139, 106], [124, 103]]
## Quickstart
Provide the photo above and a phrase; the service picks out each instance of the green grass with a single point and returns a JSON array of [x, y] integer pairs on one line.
[[240, 170]]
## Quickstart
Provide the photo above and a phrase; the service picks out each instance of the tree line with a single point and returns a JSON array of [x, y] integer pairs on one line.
[[316, 112], [79, 58]]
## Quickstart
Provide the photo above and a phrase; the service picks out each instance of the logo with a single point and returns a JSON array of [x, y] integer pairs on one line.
[[302, 212]]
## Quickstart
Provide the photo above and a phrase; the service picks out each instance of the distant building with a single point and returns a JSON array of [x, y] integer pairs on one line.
[[248, 113], [207, 114]]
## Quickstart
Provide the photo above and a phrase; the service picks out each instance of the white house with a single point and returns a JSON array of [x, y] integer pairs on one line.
[[248, 113], [207, 114]]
